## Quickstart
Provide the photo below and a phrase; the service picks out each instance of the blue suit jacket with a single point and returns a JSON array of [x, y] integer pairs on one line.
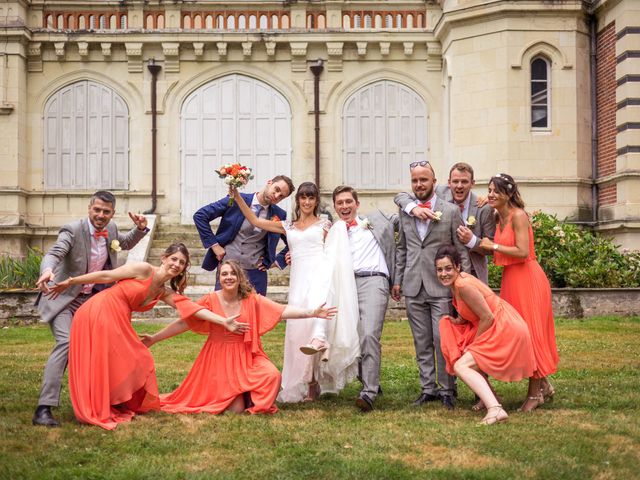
[[229, 227]]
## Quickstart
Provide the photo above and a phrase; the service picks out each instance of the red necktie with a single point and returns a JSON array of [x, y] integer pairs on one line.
[[352, 223], [461, 207], [100, 233], [425, 204]]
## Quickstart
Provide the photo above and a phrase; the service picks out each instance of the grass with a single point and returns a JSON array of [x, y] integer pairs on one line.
[[591, 430]]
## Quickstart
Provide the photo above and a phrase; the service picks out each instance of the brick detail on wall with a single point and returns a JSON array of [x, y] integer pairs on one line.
[[606, 109]]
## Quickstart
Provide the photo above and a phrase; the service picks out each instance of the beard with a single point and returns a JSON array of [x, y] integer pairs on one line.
[[424, 194]]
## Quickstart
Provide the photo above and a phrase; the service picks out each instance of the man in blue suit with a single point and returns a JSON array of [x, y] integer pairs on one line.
[[236, 239]]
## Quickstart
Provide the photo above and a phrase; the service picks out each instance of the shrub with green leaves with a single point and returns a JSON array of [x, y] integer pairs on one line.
[[572, 256], [20, 273]]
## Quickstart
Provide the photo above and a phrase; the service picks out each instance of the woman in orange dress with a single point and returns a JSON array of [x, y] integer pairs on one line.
[[488, 337], [231, 372], [524, 283], [111, 372]]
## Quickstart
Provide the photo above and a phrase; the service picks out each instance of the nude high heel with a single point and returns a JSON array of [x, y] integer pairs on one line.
[[495, 414]]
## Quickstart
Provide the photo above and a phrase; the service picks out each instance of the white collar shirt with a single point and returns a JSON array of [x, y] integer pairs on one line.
[[98, 256], [365, 251]]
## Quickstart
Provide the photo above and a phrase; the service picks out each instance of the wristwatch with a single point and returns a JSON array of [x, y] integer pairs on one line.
[[495, 246], [145, 230]]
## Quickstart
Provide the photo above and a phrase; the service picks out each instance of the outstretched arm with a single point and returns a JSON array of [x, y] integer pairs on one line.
[[140, 271], [175, 328], [263, 223], [320, 312], [187, 308]]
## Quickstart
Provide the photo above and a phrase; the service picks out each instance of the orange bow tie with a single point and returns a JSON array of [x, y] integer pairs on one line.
[[100, 233], [425, 204], [352, 223]]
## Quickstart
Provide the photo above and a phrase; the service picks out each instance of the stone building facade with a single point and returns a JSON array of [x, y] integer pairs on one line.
[[334, 91]]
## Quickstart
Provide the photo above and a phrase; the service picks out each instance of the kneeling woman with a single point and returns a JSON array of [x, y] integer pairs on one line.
[[232, 372], [489, 337]]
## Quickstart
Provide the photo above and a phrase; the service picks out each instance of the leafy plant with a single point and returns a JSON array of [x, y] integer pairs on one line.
[[20, 273], [572, 256]]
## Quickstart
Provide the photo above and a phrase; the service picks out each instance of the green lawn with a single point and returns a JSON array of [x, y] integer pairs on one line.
[[591, 430]]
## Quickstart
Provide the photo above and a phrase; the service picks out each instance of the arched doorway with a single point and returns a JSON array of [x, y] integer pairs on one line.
[[384, 130], [232, 119]]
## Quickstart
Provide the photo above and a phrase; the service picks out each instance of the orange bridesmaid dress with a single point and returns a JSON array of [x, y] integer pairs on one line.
[[503, 351], [526, 287], [111, 373], [229, 364]]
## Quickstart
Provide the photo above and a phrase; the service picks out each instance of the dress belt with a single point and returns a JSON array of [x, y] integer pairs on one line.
[[371, 274]]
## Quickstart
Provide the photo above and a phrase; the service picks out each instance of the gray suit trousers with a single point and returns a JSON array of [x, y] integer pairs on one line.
[[424, 314], [373, 298], [57, 362]]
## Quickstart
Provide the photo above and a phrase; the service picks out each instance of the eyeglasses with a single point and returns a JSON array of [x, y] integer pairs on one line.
[[423, 163]]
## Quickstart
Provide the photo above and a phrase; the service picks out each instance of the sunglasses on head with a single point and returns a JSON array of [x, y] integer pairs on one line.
[[423, 163]]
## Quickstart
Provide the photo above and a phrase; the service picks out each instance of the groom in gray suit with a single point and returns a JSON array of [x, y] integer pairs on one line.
[[425, 298], [373, 249], [87, 245], [479, 221]]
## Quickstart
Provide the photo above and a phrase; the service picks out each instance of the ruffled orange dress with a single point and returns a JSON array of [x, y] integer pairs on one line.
[[229, 364], [526, 287], [503, 351], [112, 375]]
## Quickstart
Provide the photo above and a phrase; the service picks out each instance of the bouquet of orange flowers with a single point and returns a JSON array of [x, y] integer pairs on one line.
[[234, 175]]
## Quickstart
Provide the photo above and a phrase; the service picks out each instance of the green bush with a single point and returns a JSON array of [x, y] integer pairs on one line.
[[575, 257], [20, 273]]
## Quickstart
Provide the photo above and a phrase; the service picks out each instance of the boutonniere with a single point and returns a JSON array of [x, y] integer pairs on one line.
[[438, 215], [275, 218], [115, 246], [471, 221], [366, 224]]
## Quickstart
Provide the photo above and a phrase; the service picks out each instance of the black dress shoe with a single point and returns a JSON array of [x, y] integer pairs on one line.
[[424, 398], [449, 402], [44, 417], [364, 403]]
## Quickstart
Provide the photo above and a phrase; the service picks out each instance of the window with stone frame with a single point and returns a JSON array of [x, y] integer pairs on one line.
[[540, 93]]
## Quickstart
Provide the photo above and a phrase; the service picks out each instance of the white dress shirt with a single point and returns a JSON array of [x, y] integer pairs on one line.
[[365, 251]]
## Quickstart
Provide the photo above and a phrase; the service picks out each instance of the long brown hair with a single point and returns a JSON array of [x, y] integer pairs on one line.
[[505, 184], [244, 286], [307, 190], [179, 282]]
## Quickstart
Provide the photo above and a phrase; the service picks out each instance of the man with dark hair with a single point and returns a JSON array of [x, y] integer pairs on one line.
[[373, 251], [236, 239], [478, 218], [83, 246]]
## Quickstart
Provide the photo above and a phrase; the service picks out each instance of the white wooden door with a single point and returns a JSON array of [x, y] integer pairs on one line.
[[86, 138], [232, 119], [384, 130]]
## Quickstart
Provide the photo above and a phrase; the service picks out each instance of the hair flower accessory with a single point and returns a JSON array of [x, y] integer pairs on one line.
[[235, 175], [471, 221], [438, 215], [115, 246]]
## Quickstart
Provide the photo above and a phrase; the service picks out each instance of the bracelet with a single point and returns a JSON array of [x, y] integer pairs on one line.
[[70, 279]]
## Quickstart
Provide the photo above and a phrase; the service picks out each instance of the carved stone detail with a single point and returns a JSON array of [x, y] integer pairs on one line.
[[83, 49], [434, 56], [384, 48], [334, 50], [134, 56], [271, 47], [171, 52], [408, 48], [298, 56], [222, 48], [246, 48], [362, 48], [59, 47], [106, 49], [34, 61], [198, 49]]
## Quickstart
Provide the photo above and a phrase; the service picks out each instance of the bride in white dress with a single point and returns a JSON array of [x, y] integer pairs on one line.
[[320, 356]]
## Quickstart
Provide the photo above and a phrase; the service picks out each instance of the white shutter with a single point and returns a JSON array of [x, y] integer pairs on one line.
[[232, 119], [86, 138], [384, 129]]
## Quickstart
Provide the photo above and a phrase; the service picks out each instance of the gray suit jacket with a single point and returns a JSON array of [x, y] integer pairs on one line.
[[69, 257], [383, 230], [485, 226], [415, 257]]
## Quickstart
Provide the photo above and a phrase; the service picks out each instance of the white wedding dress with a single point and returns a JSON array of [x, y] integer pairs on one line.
[[321, 271]]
